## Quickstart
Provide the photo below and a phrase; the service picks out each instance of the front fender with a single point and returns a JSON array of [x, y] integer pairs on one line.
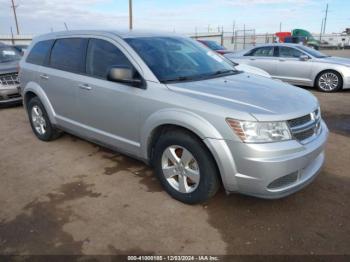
[[202, 128], [39, 92], [179, 117]]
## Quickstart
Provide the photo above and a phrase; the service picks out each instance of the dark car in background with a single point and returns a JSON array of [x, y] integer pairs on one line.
[[9, 83], [215, 46], [21, 48]]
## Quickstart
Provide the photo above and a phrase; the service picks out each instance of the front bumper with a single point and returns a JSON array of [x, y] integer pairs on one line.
[[346, 84], [10, 95], [254, 167]]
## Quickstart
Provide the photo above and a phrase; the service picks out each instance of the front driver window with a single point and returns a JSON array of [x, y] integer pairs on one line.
[[101, 56]]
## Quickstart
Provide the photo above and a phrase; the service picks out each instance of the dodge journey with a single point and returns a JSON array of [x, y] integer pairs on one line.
[[178, 106]]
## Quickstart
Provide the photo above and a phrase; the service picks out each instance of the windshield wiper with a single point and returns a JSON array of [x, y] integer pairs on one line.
[[180, 78], [223, 72]]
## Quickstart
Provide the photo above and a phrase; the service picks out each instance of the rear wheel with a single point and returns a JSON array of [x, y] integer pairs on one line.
[[185, 167], [329, 81], [40, 121]]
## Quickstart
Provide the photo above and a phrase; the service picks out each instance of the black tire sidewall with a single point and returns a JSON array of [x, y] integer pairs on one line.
[[340, 82], [209, 181], [50, 132]]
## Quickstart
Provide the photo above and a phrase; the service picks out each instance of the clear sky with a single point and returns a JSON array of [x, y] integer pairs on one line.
[[40, 16]]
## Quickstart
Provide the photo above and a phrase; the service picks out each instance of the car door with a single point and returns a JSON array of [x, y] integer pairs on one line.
[[293, 67], [263, 57], [60, 78], [109, 111]]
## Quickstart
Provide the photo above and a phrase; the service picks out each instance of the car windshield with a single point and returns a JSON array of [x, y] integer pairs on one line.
[[179, 58], [8, 54], [213, 45], [312, 52]]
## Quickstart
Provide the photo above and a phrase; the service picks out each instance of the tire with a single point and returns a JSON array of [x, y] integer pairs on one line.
[[201, 167], [40, 122], [335, 84]]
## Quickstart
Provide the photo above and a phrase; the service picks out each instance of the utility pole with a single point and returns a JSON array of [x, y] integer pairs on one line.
[[15, 14], [244, 36], [12, 40], [130, 15], [233, 32], [325, 20], [321, 29], [65, 25], [280, 26]]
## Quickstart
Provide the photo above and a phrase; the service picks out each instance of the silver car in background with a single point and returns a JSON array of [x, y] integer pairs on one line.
[[298, 65], [173, 103], [9, 84]]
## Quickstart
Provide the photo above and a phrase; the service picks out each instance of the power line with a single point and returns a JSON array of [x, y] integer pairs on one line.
[[15, 14]]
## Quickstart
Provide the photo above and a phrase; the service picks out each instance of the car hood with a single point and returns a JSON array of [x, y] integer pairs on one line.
[[335, 60], [261, 97], [8, 67]]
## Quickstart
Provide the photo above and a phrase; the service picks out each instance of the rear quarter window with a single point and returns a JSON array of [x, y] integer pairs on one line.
[[39, 52], [68, 54]]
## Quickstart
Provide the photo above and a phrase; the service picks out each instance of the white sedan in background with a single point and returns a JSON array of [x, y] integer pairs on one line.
[[298, 65]]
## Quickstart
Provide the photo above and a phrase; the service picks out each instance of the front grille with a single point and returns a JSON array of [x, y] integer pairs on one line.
[[13, 96], [283, 181], [299, 121], [305, 127], [9, 79]]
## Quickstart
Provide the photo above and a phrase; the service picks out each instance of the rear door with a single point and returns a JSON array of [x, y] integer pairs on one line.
[[61, 76], [264, 58], [291, 68]]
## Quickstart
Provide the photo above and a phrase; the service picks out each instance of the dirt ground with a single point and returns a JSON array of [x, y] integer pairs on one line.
[[73, 197]]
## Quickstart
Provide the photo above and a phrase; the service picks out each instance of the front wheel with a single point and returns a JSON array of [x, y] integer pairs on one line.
[[185, 167], [329, 81]]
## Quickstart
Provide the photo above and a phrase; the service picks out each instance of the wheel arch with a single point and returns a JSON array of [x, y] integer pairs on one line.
[[166, 119], [31, 90]]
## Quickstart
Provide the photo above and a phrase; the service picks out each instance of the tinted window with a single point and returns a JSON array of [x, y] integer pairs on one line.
[[289, 52], [39, 52], [69, 54], [263, 51], [179, 58], [8, 54], [101, 56]]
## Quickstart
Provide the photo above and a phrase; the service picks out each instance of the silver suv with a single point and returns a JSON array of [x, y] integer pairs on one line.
[[176, 105]]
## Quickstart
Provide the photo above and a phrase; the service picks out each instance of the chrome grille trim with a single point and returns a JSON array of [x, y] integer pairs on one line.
[[305, 132], [9, 80]]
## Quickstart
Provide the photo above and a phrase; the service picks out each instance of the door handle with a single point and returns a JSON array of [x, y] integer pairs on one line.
[[43, 76], [282, 60], [85, 87], [252, 59]]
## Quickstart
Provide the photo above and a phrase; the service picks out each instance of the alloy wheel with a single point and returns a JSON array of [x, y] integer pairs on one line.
[[38, 120], [180, 169], [328, 81]]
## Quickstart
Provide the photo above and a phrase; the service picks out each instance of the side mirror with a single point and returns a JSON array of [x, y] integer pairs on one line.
[[303, 57], [124, 75]]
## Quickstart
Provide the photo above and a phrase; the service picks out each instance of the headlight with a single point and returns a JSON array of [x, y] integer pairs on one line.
[[260, 132]]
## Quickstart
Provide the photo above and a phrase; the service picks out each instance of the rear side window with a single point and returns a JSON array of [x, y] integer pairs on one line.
[[68, 54], [262, 51], [101, 56], [39, 52]]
